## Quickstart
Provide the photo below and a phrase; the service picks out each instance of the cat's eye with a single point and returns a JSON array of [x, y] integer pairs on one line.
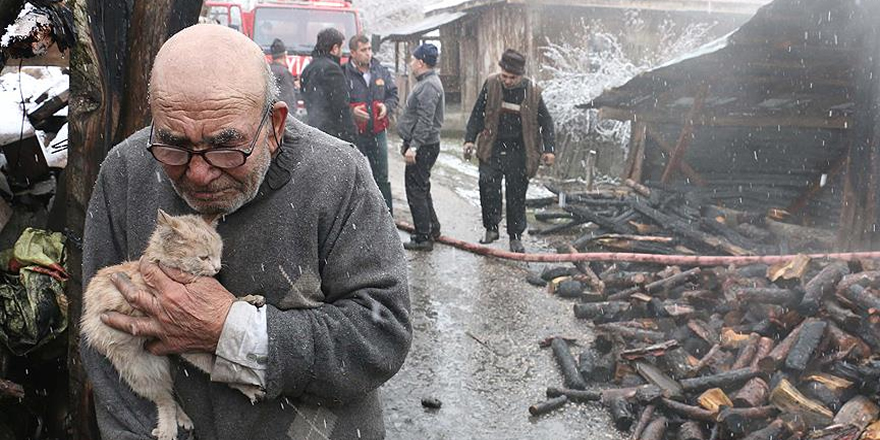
[[205, 257]]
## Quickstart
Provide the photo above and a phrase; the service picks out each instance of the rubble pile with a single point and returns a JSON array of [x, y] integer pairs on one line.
[[757, 352]]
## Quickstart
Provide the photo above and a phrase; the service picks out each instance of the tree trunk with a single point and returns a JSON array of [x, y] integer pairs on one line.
[[116, 42]]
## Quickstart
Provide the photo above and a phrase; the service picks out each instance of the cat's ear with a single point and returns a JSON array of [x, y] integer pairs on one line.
[[163, 218], [212, 220]]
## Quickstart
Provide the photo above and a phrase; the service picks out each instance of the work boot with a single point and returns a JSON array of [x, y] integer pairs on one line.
[[435, 231], [490, 237], [517, 246], [419, 245]]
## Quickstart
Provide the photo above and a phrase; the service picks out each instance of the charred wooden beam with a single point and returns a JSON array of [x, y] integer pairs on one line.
[[567, 364], [587, 215], [859, 411], [649, 351], [821, 286], [596, 367], [631, 333], [844, 317], [808, 341], [691, 430], [779, 353], [722, 380], [622, 279], [575, 395], [706, 360], [753, 393], [704, 331], [662, 285], [621, 413], [765, 346], [645, 418], [548, 405], [678, 363], [767, 295], [601, 311], [740, 420], [689, 411], [688, 231], [656, 376], [747, 352], [864, 298], [847, 343]]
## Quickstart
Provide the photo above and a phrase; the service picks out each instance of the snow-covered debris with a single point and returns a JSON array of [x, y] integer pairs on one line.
[[31, 83], [30, 34]]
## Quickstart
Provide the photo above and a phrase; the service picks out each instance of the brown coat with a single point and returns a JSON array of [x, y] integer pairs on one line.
[[528, 115]]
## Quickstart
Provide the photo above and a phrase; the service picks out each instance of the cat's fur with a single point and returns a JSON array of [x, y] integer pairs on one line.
[[188, 243]]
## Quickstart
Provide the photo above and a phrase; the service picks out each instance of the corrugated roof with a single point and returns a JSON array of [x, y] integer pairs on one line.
[[427, 25]]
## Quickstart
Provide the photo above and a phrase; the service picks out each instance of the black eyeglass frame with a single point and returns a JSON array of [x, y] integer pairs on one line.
[[204, 153]]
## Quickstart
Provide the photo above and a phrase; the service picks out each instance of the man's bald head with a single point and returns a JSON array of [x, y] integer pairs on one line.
[[207, 61]]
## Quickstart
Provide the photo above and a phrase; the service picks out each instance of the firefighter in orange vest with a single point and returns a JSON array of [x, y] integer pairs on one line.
[[513, 133]]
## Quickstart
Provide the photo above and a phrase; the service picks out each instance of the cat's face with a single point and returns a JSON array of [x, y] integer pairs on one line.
[[186, 242]]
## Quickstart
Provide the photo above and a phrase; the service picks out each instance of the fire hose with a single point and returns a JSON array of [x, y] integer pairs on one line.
[[669, 260]]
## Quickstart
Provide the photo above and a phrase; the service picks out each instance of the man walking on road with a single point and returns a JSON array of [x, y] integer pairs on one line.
[[373, 100], [324, 88], [419, 127], [514, 133]]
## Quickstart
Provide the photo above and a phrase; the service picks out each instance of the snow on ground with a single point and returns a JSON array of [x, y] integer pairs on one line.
[[30, 83]]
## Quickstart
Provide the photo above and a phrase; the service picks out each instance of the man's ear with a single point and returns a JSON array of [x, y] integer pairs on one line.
[[279, 121]]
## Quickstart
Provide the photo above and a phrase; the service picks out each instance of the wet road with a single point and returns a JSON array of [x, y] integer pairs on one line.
[[477, 325]]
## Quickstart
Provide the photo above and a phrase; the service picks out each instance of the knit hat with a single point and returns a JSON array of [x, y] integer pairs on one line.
[[513, 62], [277, 48], [428, 53]]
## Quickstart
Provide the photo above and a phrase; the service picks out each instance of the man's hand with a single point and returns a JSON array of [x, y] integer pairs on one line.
[[383, 110], [183, 313], [360, 113], [468, 150], [410, 156], [548, 159]]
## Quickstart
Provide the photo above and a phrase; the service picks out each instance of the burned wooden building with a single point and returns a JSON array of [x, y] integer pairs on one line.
[[779, 118], [474, 33]]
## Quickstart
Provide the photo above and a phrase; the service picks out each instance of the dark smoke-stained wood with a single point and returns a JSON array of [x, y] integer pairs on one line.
[[644, 419], [776, 429], [655, 430], [740, 420], [753, 393], [821, 286], [689, 411], [779, 353], [575, 395], [548, 405], [859, 411], [567, 364], [721, 380], [621, 413], [808, 341], [691, 430]]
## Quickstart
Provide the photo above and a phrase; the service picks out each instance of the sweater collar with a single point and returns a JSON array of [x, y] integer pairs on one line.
[[426, 74]]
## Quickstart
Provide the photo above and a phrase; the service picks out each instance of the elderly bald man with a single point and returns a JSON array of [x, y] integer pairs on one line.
[[303, 224]]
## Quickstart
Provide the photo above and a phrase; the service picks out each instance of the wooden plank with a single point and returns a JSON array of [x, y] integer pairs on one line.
[[687, 134], [686, 169], [816, 187], [636, 159], [723, 120]]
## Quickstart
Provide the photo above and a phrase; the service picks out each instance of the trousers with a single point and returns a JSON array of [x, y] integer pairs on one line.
[[375, 148], [417, 178], [508, 163]]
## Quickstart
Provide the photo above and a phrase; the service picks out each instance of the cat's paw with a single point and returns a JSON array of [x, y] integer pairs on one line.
[[164, 433], [252, 392], [183, 420], [256, 300]]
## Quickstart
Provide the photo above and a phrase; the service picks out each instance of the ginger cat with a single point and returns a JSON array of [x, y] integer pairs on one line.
[[188, 243]]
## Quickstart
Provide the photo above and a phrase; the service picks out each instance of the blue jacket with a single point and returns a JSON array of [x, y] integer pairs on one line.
[[381, 89]]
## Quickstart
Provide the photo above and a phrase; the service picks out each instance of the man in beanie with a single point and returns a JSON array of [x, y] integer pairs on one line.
[[419, 127], [373, 101], [325, 89], [283, 77], [514, 133]]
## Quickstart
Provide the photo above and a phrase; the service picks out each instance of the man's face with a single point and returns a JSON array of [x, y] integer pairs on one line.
[[417, 66], [509, 79], [202, 125], [363, 54]]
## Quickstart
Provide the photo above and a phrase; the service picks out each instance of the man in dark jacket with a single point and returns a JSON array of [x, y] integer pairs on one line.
[[322, 251], [515, 133], [373, 101], [324, 88], [419, 127], [283, 77]]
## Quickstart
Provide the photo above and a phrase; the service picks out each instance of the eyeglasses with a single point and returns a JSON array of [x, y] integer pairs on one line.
[[217, 157]]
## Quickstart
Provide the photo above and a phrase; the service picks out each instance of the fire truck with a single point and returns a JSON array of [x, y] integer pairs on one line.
[[295, 22]]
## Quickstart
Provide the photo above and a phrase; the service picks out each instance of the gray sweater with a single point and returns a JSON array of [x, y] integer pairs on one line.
[[319, 244], [420, 122]]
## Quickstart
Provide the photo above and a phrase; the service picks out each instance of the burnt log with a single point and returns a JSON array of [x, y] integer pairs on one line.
[[741, 420], [779, 353], [711, 356], [663, 285], [567, 364], [844, 317], [632, 333], [601, 311], [677, 363], [608, 224], [575, 395], [767, 295], [820, 286], [747, 352], [845, 343], [691, 430], [808, 341], [655, 430], [621, 279], [859, 411], [569, 289], [790, 401], [776, 429], [713, 399], [548, 405], [644, 419], [704, 331], [765, 346], [753, 393], [656, 376], [863, 298], [689, 411], [827, 389], [551, 273], [596, 367], [649, 351], [837, 432], [621, 413], [722, 380]]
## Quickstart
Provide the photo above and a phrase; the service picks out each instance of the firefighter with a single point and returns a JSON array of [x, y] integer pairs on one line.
[[373, 101], [513, 132], [324, 87]]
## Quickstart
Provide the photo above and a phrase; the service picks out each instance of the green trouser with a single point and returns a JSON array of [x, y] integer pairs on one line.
[[375, 148]]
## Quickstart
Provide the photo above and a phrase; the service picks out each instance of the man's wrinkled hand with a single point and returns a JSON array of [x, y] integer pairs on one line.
[[183, 313], [468, 150], [548, 159], [383, 110], [410, 156]]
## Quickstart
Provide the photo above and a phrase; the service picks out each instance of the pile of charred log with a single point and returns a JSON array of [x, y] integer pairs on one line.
[[757, 352], [635, 218]]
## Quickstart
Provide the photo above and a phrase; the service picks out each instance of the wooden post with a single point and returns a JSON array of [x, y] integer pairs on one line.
[[116, 41], [636, 152], [859, 224], [687, 132]]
